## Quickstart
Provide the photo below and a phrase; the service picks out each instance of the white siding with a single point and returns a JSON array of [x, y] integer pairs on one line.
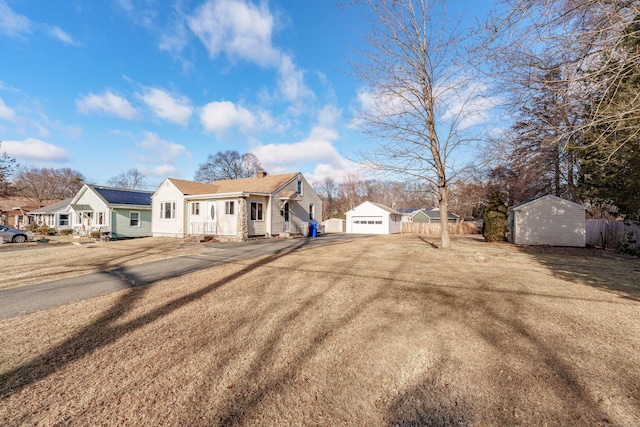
[[90, 198], [172, 227], [548, 221], [257, 227], [334, 225]]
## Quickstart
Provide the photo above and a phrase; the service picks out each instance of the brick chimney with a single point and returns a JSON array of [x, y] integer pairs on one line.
[[262, 174]]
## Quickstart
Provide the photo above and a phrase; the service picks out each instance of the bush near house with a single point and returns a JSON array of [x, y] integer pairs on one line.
[[66, 231], [45, 230]]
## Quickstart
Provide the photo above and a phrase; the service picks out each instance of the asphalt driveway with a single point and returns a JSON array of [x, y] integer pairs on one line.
[[42, 296]]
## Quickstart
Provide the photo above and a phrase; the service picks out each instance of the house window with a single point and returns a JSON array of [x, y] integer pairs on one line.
[[167, 210], [229, 208], [312, 212], [256, 211], [100, 218], [134, 219], [300, 186], [195, 208], [64, 219]]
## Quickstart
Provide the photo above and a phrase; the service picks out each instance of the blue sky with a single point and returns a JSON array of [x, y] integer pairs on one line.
[[103, 86]]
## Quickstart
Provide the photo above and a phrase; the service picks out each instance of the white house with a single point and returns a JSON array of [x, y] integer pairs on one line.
[[373, 218], [236, 209], [56, 215], [548, 220], [120, 213]]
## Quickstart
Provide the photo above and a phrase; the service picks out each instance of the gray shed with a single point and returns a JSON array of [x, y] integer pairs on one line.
[[548, 220]]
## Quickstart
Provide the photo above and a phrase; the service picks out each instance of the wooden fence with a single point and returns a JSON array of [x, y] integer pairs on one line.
[[609, 234], [433, 229]]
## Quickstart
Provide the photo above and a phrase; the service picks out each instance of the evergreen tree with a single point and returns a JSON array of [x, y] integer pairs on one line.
[[610, 150], [496, 224]]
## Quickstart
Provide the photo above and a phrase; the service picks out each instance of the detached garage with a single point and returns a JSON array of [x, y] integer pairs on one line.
[[373, 218], [548, 220]]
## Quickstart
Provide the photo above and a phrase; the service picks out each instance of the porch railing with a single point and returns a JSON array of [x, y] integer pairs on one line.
[[206, 228]]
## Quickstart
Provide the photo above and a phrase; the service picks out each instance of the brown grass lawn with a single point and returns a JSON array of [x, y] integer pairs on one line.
[[382, 331]]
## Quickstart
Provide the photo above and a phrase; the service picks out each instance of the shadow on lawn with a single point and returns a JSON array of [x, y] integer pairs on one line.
[[592, 267], [105, 330]]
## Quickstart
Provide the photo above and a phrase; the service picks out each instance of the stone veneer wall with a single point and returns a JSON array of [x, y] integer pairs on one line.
[[242, 232]]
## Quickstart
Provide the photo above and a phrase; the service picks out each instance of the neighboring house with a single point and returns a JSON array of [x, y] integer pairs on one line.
[[120, 213], [548, 220], [236, 209], [334, 225], [426, 215], [56, 215], [431, 215], [373, 218], [18, 216]]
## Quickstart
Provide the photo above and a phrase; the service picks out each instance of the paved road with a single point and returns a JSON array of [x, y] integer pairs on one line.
[[31, 298]]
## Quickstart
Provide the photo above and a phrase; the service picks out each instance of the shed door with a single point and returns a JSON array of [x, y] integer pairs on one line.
[[367, 225]]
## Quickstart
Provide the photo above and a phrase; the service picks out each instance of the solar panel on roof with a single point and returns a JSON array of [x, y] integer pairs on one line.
[[124, 197]]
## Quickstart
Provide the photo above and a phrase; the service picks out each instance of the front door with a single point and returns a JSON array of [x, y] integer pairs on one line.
[[286, 225]]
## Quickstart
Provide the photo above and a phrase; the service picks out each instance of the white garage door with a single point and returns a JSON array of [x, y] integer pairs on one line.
[[367, 225]]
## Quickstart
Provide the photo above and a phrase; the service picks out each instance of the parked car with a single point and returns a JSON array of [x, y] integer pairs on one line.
[[9, 234]]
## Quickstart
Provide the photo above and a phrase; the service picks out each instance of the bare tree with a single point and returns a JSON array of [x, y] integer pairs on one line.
[[575, 50], [8, 166], [350, 191], [417, 101], [46, 184], [132, 179], [228, 165]]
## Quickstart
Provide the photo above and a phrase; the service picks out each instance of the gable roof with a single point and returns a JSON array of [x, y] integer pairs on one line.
[[52, 207], [378, 205], [268, 185], [548, 196], [407, 211], [434, 213]]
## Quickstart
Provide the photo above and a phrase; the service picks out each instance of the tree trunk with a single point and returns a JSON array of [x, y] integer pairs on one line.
[[445, 240]]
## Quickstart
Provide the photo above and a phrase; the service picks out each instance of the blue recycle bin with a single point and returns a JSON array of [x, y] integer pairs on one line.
[[313, 229]]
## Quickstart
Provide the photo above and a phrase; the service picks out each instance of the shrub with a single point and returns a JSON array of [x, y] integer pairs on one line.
[[66, 231], [496, 224], [95, 234], [45, 230], [33, 227]]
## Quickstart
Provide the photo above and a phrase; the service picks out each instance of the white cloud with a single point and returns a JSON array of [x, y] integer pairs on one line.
[[317, 147], [34, 149], [107, 103], [7, 113], [60, 34], [468, 105], [291, 81], [13, 24], [221, 116], [160, 170], [160, 149], [237, 28], [167, 107]]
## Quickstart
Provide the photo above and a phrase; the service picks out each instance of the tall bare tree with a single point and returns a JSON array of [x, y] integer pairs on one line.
[[132, 179], [228, 165], [46, 184], [574, 49], [418, 96]]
